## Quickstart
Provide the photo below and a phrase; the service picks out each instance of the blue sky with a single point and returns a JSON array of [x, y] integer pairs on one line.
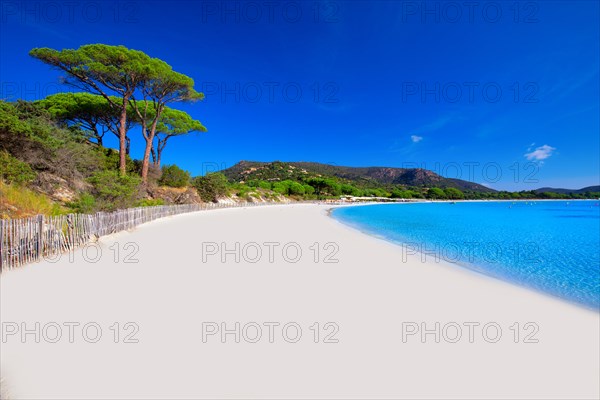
[[501, 93]]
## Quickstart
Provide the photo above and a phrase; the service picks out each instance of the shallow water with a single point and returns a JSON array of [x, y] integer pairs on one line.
[[551, 246]]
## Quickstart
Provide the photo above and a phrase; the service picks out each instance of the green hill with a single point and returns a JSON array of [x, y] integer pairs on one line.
[[362, 177]]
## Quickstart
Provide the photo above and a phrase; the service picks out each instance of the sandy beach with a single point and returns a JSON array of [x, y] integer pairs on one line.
[[323, 311]]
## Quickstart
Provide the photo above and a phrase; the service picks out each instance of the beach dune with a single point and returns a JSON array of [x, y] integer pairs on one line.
[[282, 302]]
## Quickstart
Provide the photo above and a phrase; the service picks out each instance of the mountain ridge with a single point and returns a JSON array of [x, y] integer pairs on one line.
[[374, 176], [593, 188]]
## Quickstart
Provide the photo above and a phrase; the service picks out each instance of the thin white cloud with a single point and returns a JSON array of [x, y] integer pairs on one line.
[[540, 153], [415, 138]]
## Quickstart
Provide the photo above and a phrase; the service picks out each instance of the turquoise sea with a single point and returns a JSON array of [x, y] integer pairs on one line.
[[550, 246]]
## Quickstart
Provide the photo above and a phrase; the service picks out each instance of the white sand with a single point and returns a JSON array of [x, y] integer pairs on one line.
[[369, 294]]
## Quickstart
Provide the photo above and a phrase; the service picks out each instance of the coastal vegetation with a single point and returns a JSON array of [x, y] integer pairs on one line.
[[129, 80], [53, 157], [52, 161], [321, 181]]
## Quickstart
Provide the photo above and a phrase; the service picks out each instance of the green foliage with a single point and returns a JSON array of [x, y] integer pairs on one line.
[[150, 203], [549, 195], [308, 190], [436, 194], [376, 193], [177, 122], [116, 66], [347, 188], [174, 176], [23, 122], [290, 188], [242, 190], [296, 189], [211, 186], [13, 170], [91, 112], [173, 123], [110, 161], [27, 130], [113, 191], [280, 187], [404, 194], [325, 186], [85, 204], [454, 194], [105, 69], [264, 185]]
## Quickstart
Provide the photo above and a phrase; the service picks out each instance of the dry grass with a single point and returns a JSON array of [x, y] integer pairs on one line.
[[18, 202]]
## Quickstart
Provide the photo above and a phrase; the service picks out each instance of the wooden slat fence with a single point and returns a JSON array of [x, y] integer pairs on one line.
[[27, 240]]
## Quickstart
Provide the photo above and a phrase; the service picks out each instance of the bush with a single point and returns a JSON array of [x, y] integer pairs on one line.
[[114, 191], [436, 193], [242, 190], [150, 203], [376, 193], [85, 204], [415, 194], [174, 176], [398, 194], [111, 161], [280, 187], [211, 186], [296, 189], [453, 193], [308, 190], [264, 185], [325, 186], [13, 170]]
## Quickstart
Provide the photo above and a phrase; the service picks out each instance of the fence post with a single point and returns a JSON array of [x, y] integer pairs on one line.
[[40, 226], [17, 245], [2, 247], [70, 235]]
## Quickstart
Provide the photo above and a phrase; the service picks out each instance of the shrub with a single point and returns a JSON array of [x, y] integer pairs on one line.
[[174, 176], [264, 185], [347, 189], [111, 161], [242, 190], [13, 170], [404, 194], [325, 186], [436, 193], [280, 187], [397, 194], [308, 190], [85, 204], [211, 186], [453, 193], [415, 194], [296, 189], [150, 202], [114, 191], [376, 193]]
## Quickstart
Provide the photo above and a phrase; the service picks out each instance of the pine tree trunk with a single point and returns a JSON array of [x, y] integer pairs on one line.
[[122, 137]]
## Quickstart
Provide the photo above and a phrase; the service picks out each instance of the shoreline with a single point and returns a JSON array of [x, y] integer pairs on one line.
[[474, 268], [370, 294]]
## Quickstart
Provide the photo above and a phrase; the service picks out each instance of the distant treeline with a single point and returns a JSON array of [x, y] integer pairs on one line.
[[331, 187]]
